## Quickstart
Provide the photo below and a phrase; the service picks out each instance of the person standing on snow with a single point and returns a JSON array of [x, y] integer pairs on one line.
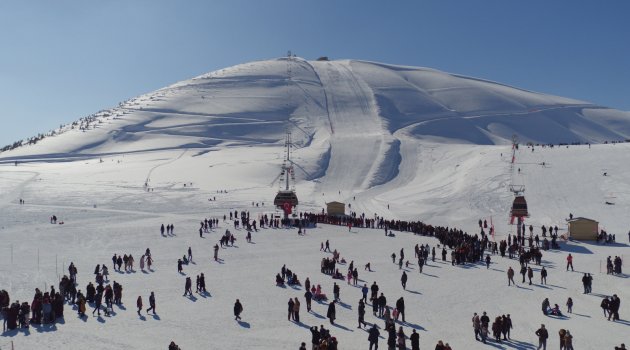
[[238, 308], [308, 296], [400, 305], [510, 274], [139, 304], [290, 309], [373, 336], [188, 287], [151, 303], [476, 321], [403, 280], [296, 310], [542, 337], [331, 313]]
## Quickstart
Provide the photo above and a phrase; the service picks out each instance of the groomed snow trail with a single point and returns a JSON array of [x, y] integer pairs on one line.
[[358, 141]]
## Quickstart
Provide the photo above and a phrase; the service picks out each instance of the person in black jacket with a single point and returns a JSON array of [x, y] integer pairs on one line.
[[290, 304], [374, 289], [391, 337], [415, 340], [485, 320], [361, 313], [331, 314], [400, 305], [542, 337], [403, 280], [308, 296], [238, 308], [382, 303], [613, 308], [315, 335], [506, 325], [373, 336]]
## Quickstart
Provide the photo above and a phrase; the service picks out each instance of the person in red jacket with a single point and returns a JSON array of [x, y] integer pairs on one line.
[[570, 262]]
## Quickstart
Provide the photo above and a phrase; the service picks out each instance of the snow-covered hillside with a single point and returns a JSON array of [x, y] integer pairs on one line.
[[332, 107], [400, 142], [107, 210]]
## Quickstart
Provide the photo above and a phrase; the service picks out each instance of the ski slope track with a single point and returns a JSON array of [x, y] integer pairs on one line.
[[407, 143]]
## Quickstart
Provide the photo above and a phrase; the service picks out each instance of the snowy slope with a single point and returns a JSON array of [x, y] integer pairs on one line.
[[106, 210], [402, 142]]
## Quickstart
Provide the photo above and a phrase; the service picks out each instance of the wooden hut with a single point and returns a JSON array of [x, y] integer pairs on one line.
[[583, 229], [336, 208]]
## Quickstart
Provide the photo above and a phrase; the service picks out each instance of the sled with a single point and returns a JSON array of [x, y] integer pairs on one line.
[[320, 297]]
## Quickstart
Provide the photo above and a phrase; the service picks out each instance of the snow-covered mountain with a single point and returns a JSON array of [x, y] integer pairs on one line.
[[400, 142], [255, 102], [333, 109]]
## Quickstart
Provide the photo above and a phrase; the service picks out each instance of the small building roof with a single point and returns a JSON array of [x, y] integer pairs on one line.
[[582, 219], [335, 202]]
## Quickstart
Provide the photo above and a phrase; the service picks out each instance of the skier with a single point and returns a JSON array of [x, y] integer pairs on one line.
[[570, 262], [487, 261], [543, 276], [216, 252], [570, 305], [530, 274]]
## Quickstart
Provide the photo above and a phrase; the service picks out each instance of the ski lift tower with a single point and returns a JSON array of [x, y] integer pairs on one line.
[[519, 206], [286, 199]]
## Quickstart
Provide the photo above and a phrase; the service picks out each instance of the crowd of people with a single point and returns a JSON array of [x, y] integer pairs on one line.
[[464, 249]]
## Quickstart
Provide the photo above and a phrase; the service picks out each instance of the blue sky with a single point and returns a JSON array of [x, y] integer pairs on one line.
[[61, 60]]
